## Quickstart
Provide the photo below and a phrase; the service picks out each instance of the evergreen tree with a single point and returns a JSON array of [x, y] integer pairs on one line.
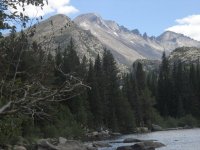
[[111, 89], [164, 87], [94, 98], [71, 63], [144, 105]]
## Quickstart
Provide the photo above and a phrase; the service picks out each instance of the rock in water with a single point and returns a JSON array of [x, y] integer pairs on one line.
[[131, 140], [152, 144], [146, 145], [101, 144]]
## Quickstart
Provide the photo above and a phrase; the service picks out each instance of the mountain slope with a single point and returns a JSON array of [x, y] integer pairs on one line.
[[131, 44], [170, 41], [118, 38], [58, 30]]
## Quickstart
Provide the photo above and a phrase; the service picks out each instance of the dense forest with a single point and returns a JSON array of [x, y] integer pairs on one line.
[[96, 95]]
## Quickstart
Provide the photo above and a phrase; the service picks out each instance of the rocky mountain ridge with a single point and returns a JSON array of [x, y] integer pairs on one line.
[[131, 43], [92, 34]]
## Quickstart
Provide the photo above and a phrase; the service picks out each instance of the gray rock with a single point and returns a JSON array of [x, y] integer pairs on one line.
[[142, 129], [149, 144], [115, 134], [142, 146], [64, 144], [72, 145], [17, 147], [62, 140], [125, 148], [98, 135], [101, 144], [89, 146], [131, 140], [95, 133], [156, 128], [146, 145], [45, 144]]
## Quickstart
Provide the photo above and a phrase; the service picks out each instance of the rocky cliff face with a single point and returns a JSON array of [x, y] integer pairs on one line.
[[186, 55], [122, 42]]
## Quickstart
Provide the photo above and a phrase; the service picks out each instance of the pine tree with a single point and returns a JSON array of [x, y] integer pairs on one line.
[[111, 86], [71, 63], [145, 101], [164, 87], [94, 99]]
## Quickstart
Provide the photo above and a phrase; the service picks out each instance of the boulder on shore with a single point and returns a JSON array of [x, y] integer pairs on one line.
[[62, 144], [72, 145], [45, 144], [142, 130], [17, 147], [156, 127], [101, 135], [62, 140]]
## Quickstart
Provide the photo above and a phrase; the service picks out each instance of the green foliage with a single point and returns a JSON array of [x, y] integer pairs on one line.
[[125, 116], [157, 118], [188, 120], [185, 121], [66, 125], [10, 128], [170, 122]]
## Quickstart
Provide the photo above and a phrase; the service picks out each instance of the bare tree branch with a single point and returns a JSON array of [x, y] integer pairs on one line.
[[31, 101]]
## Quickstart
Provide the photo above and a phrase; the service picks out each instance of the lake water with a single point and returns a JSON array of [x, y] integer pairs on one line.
[[174, 140]]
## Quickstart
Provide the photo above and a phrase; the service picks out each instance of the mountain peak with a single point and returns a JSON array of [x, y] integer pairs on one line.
[[92, 17], [57, 21], [59, 18], [168, 35]]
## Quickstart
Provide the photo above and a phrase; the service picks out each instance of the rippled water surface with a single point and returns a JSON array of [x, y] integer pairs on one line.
[[174, 140]]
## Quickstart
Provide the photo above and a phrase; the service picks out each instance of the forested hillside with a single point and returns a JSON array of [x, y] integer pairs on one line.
[[64, 95]]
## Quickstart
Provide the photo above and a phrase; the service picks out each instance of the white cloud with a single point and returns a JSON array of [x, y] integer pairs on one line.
[[66, 10], [54, 6], [189, 26]]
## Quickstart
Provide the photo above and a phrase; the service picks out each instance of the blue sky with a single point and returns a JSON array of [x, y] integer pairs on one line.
[[151, 16]]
